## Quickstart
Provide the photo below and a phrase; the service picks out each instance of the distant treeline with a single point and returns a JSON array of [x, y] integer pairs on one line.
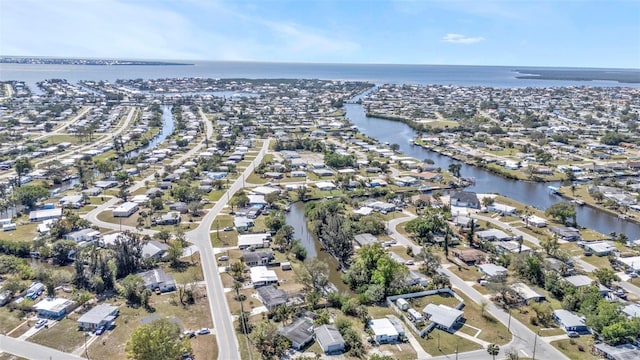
[[621, 76]]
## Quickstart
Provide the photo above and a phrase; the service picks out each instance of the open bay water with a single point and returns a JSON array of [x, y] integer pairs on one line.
[[492, 76]]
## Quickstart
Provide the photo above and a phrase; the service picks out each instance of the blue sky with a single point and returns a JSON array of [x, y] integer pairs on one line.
[[573, 33]]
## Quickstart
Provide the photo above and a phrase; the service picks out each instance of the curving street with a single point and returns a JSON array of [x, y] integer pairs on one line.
[[523, 338]]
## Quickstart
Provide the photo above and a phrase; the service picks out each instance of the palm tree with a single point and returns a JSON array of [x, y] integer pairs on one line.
[[493, 350]]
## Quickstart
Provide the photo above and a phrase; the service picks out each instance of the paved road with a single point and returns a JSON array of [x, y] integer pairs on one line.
[[523, 338], [222, 319], [92, 216], [29, 350]]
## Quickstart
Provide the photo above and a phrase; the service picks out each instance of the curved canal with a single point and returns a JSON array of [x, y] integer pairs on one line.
[[530, 193]]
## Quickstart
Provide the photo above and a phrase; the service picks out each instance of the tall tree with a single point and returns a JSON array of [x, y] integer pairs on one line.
[[23, 166], [157, 340]]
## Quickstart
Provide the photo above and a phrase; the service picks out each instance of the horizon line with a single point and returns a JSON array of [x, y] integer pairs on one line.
[[311, 62]]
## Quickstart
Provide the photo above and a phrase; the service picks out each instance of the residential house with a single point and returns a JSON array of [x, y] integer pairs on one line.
[[445, 317], [300, 332], [492, 270], [257, 258], [619, 352], [465, 199], [154, 249], [72, 201], [365, 239], [170, 218], [242, 223], [100, 315], [469, 256], [570, 321], [535, 221], [45, 214], [272, 297], [255, 241], [384, 332], [502, 209], [566, 233], [492, 234], [583, 280], [526, 293], [598, 248], [329, 339], [415, 278], [125, 209], [158, 279], [53, 308], [261, 276], [83, 235], [511, 246]]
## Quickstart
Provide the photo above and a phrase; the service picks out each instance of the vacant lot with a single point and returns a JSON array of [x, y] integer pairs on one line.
[[576, 349], [64, 336]]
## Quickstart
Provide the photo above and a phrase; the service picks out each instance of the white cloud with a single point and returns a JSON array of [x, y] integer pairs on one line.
[[461, 39]]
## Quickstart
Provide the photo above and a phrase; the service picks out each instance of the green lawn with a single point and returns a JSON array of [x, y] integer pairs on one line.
[[9, 320], [23, 232], [440, 342], [64, 336], [224, 238], [572, 348]]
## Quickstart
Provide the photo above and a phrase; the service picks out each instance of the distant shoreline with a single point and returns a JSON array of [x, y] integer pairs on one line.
[[620, 76], [90, 62]]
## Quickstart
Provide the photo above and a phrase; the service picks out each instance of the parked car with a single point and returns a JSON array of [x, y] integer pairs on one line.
[[189, 333], [228, 228], [573, 334], [100, 330], [204, 331], [41, 323], [223, 258], [409, 262]]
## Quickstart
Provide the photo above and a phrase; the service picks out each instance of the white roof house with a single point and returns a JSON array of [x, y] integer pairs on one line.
[[125, 209], [536, 221], [492, 234], [259, 240], [54, 308], [444, 316], [261, 276], [526, 293], [632, 262], [45, 214], [492, 270], [383, 331], [98, 316], [264, 190], [364, 211], [599, 248], [325, 185]]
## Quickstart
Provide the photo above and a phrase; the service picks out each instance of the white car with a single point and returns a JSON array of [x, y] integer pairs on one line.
[[204, 331], [41, 323]]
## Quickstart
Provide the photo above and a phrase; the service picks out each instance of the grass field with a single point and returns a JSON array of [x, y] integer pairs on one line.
[[440, 342], [571, 348], [22, 232], [9, 319], [64, 336]]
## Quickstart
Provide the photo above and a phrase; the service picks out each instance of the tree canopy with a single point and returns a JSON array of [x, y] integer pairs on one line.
[[157, 340], [563, 211]]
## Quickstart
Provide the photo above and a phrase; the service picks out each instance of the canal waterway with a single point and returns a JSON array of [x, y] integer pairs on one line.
[[295, 217], [530, 193], [168, 126]]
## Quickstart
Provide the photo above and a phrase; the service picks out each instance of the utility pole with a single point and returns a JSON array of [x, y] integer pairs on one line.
[[535, 340]]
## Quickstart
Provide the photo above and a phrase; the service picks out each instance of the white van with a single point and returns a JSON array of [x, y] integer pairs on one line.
[[9, 227]]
